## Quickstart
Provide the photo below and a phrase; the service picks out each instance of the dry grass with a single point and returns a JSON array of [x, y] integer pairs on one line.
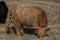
[[53, 16]]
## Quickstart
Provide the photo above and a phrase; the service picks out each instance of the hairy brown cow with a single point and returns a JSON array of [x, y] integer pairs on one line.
[[30, 16]]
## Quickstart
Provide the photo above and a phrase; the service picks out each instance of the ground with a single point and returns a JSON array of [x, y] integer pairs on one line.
[[52, 10]]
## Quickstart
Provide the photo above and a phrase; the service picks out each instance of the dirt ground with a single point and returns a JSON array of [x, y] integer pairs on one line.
[[52, 10]]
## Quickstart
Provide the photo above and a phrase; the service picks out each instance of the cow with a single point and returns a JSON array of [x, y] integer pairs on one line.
[[3, 12], [30, 16]]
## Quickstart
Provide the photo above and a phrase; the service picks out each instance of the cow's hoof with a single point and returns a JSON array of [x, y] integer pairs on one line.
[[8, 32], [20, 34]]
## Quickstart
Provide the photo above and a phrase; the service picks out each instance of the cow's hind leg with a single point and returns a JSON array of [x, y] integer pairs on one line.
[[19, 29], [7, 25]]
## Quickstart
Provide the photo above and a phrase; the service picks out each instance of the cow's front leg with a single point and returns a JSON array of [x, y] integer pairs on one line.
[[19, 29]]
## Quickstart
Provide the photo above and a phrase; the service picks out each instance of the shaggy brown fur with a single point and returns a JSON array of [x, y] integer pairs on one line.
[[30, 16]]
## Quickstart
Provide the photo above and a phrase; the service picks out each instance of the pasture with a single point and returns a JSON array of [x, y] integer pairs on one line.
[[52, 9]]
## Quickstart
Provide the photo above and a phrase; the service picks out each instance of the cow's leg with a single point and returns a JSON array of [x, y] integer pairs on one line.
[[19, 29], [36, 27], [7, 25]]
